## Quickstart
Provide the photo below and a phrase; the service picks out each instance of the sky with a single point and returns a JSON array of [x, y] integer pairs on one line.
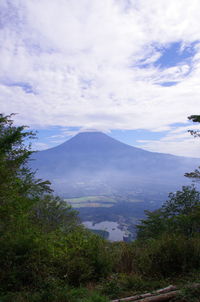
[[129, 68]]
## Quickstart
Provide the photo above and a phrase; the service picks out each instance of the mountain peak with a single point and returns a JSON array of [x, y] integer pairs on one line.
[[94, 139], [89, 132], [92, 135]]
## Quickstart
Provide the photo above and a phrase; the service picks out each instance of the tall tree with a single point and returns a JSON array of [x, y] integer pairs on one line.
[[21, 194]]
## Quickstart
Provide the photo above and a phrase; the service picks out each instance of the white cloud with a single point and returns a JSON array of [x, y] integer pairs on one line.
[[81, 59], [178, 141], [185, 147], [39, 146]]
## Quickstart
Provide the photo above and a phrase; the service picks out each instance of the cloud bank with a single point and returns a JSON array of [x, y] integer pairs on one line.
[[109, 64]]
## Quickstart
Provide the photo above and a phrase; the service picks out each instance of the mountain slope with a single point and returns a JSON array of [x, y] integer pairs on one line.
[[94, 163]]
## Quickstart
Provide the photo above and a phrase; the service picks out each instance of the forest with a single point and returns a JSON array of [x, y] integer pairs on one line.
[[46, 254]]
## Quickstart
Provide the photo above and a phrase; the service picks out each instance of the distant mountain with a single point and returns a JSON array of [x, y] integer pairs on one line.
[[92, 163]]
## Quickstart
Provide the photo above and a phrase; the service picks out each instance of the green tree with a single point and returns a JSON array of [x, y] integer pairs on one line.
[[195, 119], [31, 218], [179, 214], [20, 192], [51, 212], [182, 202], [195, 175], [153, 226], [18, 187]]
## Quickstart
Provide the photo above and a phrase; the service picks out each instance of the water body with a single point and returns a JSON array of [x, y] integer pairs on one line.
[[115, 234]]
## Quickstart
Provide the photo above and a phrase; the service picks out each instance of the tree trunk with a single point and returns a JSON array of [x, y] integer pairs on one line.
[[163, 294]]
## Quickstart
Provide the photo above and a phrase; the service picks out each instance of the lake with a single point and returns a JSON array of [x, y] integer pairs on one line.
[[115, 234]]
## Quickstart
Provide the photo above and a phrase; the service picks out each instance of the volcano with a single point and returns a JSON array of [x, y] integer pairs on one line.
[[94, 163]]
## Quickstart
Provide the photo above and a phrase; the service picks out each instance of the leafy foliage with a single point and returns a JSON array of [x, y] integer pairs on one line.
[[195, 175], [194, 118], [182, 202], [179, 214]]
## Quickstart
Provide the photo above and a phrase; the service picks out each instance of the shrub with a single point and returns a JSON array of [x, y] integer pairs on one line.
[[169, 255]]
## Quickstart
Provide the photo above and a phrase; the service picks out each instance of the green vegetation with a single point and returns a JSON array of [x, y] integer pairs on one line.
[[91, 201], [99, 201], [195, 175], [188, 295], [46, 255], [179, 215], [101, 233]]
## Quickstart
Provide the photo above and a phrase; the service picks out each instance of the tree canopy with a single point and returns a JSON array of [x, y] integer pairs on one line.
[[179, 214], [21, 194]]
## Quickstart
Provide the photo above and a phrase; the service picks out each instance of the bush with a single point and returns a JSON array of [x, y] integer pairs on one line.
[[188, 294], [83, 257], [170, 255], [95, 298]]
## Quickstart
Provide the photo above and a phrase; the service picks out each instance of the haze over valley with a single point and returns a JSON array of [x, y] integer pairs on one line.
[[108, 180]]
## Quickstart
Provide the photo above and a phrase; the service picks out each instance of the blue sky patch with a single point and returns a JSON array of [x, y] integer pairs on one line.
[[131, 137], [52, 136], [168, 84], [174, 54]]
